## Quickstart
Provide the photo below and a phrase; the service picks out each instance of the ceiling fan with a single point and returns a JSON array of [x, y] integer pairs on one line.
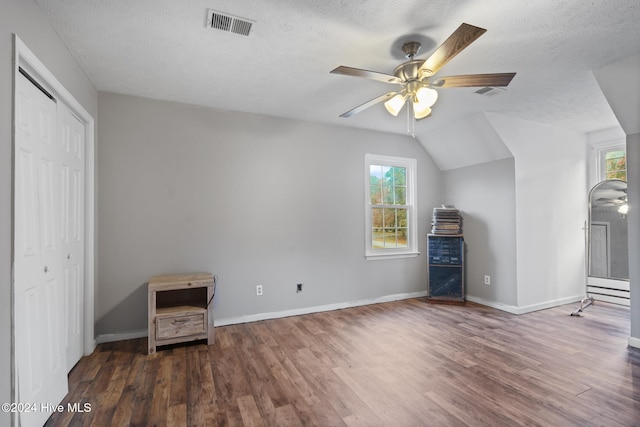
[[416, 76]]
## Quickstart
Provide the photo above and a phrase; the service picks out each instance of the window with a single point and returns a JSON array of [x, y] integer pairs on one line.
[[614, 163], [390, 207]]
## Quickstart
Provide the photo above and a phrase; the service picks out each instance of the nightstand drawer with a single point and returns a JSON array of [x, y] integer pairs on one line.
[[180, 326]]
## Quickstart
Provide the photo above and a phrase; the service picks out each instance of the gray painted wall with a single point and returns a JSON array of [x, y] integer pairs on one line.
[[27, 21], [256, 200], [486, 196], [551, 209]]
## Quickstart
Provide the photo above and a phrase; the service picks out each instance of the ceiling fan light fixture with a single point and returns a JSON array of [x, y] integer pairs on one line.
[[420, 114], [423, 99], [426, 97], [395, 104]]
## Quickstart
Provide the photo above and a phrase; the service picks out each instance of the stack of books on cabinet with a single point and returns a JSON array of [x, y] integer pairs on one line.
[[446, 256], [446, 220]]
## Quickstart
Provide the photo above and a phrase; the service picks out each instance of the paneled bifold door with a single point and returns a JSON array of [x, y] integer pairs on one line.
[[48, 248], [72, 144]]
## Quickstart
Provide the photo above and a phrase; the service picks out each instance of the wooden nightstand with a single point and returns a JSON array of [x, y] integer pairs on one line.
[[180, 309]]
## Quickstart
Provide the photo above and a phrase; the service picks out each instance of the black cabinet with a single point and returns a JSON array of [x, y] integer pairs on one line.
[[446, 267]]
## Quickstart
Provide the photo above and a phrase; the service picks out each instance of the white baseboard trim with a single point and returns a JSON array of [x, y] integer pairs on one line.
[[634, 342], [121, 336], [525, 309], [271, 315], [316, 309], [504, 307], [550, 304]]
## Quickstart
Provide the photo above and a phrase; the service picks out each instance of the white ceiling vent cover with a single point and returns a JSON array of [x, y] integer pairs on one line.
[[226, 22], [491, 91]]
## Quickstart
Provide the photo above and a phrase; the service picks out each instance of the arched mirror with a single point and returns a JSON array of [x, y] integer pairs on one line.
[[608, 248], [608, 257]]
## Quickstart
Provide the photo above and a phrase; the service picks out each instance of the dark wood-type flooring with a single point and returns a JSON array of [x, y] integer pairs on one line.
[[405, 363]]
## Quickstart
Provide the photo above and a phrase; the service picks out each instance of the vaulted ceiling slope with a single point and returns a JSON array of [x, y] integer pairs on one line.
[[161, 49]]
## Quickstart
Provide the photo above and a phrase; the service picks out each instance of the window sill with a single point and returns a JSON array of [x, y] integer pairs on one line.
[[387, 255]]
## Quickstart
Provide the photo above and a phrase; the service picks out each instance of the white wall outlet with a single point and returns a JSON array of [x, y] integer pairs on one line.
[[259, 290], [487, 279]]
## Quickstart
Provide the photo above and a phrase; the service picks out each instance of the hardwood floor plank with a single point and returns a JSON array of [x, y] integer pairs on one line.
[[158, 412], [405, 363], [301, 387], [201, 401], [251, 416], [177, 415], [286, 416], [144, 393], [124, 409], [261, 332], [266, 392], [386, 407]]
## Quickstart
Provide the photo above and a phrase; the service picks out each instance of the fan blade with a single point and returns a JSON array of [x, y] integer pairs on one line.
[[381, 98], [471, 80], [456, 43], [374, 75]]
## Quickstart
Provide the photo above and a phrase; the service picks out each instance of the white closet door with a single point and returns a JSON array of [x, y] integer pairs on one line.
[[38, 289], [72, 230]]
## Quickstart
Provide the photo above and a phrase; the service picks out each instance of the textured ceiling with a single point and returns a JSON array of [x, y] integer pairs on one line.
[[161, 49]]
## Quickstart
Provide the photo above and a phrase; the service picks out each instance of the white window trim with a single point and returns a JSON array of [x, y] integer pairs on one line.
[[411, 166]]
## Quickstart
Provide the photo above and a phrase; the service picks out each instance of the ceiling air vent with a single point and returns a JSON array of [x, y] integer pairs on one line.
[[226, 22], [491, 91]]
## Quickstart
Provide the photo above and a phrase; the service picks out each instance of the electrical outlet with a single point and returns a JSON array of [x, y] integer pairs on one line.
[[259, 290], [299, 287], [487, 279]]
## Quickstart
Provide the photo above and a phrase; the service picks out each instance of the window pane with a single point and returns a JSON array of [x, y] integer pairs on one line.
[[615, 154], [377, 238], [376, 218], [387, 194], [617, 175], [616, 165], [402, 217], [387, 173], [391, 180], [400, 176], [389, 218], [390, 240], [402, 238], [376, 194], [389, 228], [375, 171]]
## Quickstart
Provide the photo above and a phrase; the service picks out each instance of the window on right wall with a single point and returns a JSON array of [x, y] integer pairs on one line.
[[613, 163]]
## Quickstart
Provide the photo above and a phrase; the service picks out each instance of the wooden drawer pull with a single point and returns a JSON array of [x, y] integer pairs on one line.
[[182, 320]]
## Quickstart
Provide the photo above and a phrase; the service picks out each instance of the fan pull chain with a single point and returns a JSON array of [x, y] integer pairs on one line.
[[411, 124]]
